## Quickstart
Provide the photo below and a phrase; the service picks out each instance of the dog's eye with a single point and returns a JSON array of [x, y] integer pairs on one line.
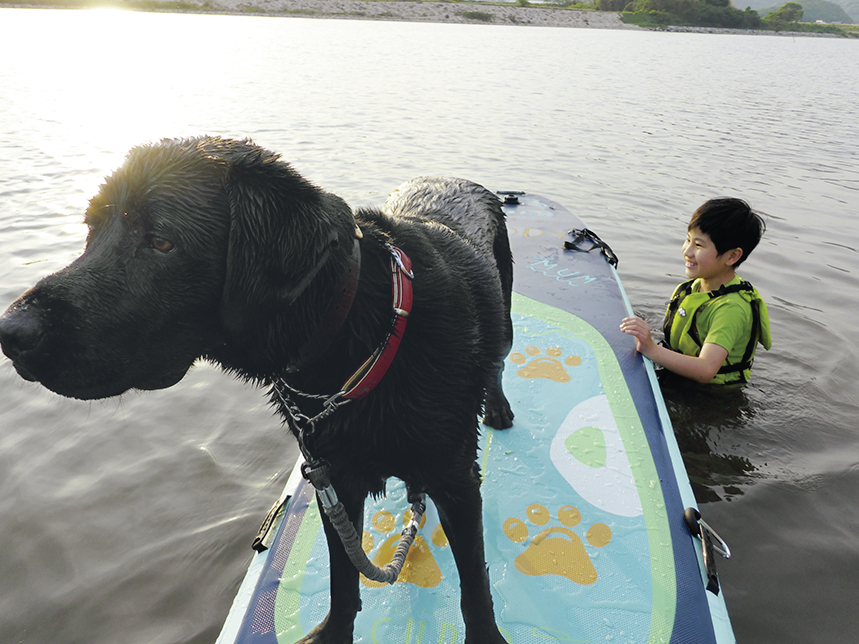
[[161, 244]]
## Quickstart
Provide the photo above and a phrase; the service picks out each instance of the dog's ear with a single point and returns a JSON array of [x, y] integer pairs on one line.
[[283, 231]]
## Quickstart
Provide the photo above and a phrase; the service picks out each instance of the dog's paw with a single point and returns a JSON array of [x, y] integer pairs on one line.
[[420, 567], [498, 414], [557, 550], [549, 366], [489, 636], [330, 631]]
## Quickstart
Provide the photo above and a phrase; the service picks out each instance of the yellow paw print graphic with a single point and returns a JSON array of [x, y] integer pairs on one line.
[[557, 550], [548, 366], [420, 567]]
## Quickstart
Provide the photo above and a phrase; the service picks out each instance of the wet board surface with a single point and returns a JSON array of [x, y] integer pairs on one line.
[[583, 497]]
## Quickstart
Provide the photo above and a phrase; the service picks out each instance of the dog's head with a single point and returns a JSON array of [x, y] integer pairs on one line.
[[196, 247]]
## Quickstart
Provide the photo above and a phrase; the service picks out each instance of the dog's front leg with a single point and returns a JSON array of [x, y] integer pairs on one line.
[[338, 625]]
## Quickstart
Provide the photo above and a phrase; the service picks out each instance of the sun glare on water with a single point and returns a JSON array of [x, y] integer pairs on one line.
[[122, 74], [115, 79], [124, 89]]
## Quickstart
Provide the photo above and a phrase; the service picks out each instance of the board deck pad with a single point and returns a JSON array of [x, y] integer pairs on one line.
[[583, 497]]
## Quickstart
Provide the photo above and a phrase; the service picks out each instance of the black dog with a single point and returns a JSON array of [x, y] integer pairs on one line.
[[216, 249]]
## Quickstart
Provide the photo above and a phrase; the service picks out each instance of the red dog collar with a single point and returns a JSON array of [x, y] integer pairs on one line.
[[370, 373]]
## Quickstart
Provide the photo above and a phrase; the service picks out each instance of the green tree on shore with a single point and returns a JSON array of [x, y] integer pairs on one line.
[[716, 14], [701, 13], [791, 12]]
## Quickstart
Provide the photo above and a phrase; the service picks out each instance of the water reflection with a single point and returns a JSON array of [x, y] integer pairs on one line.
[[706, 421]]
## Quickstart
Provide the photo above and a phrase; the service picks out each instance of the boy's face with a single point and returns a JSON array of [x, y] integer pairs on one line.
[[703, 260]]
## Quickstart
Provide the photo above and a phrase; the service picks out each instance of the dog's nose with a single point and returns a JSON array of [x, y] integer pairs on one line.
[[20, 331]]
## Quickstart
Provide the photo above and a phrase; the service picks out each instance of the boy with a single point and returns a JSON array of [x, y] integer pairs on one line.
[[714, 320]]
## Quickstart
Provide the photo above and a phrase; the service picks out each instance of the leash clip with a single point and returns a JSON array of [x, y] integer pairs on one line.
[[395, 253], [318, 472]]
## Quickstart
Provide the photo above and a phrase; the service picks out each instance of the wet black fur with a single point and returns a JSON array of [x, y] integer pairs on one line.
[[246, 228]]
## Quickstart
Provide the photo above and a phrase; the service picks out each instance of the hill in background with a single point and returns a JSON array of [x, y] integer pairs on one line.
[[844, 11]]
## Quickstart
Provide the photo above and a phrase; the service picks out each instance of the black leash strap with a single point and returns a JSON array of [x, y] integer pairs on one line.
[[318, 473], [586, 240]]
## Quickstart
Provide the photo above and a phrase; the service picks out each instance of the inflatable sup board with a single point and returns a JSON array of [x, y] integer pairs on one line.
[[585, 498]]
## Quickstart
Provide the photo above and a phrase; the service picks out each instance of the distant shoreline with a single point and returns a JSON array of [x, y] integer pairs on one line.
[[418, 11], [486, 13], [404, 11]]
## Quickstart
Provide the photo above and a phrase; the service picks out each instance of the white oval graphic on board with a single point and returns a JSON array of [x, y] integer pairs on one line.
[[589, 453]]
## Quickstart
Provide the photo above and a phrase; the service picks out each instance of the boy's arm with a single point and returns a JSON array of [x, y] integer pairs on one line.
[[701, 368]]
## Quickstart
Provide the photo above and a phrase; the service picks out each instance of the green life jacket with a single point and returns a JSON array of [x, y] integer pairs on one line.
[[681, 330]]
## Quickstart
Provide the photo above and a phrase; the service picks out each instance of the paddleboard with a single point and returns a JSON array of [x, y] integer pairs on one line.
[[584, 497]]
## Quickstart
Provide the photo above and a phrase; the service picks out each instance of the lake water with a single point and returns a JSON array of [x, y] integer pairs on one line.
[[131, 519]]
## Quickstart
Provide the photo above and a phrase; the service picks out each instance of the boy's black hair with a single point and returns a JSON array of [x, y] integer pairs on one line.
[[730, 223]]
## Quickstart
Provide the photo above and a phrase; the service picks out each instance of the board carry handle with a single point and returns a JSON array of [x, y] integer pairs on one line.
[[264, 536], [578, 238]]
